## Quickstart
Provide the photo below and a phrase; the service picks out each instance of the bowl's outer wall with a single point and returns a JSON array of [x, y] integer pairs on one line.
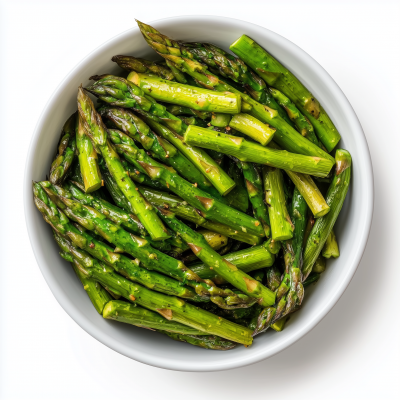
[[352, 227]]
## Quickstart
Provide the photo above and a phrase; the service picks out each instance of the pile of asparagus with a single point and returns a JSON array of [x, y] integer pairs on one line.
[[198, 197]]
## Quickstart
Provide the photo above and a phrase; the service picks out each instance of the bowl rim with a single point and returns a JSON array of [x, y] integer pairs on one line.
[[82, 321]]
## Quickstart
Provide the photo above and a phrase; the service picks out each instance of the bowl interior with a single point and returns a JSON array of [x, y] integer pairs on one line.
[[352, 227]]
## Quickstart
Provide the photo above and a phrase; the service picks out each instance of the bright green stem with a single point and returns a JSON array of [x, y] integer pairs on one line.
[[204, 163], [210, 208], [223, 268], [145, 66], [275, 74], [302, 123], [331, 247], [66, 152], [220, 120], [188, 96], [87, 159], [95, 128], [256, 195], [253, 128], [335, 198], [281, 225], [280, 324], [253, 152], [247, 260], [97, 294], [310, 192], [82, 244]]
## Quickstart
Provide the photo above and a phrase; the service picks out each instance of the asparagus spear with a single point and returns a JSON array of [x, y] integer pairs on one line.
[[302, 123], [139, 248], [184, 59], [331, 247], [97, 294], [275, 74], [171, 308], [220, 120], [255, 192], [252, 152], [310, 192], [180, 208], [281, 225], [187, 96], [253, 128], [246, 260], [226, 270], [66, 152], [141, 65], [335, 198], [207, 170], [98, 133], [87, 159]]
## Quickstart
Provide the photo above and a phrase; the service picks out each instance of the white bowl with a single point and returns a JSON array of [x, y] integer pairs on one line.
[[352, 227]]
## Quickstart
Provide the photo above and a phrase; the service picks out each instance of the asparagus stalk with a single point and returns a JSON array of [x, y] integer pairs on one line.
[[138, 130], [253, 128], [237, 197], [253, 152], [226, 270], [87, 159], [141, 65], [204, 163], [180, 110], [331, 247], [335, 198], [210, 208], [310, 192], [184, 59], [96, 293], [255, 192], [275, 74], [120, 263], [246, 260], [187, 96], [98, 133], [171, 308], [220, 120], [281, 224], [66, 152], [302, 123], [320, 265], [181, 208]]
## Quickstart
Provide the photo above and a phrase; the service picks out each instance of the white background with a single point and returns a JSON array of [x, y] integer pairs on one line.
[[352, 354]]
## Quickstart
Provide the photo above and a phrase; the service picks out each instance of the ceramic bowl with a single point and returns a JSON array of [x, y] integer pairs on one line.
[[352, 227]]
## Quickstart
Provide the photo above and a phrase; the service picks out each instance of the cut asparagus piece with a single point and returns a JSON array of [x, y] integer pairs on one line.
[[281, 224], [247, 260], [187, 96], [96, 293], [310, 192], [180, 110], [97, 131], [335, 198], [205, 164], [253, 152], [185, 60], [133, 314], [87, 159], [180, 207], [275, 74], [320, 265], [220, 120], [279, 325], [302, 123], [253, 128], [66, 152], [331, 247], [225, 269], [171, 308], [130, 63], [255, 192]]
